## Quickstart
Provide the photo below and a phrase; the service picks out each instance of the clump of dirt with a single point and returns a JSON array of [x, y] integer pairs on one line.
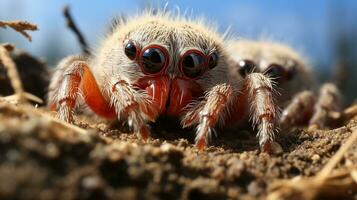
[[41, 158]]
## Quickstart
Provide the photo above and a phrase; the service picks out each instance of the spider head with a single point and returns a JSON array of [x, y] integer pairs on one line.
[[279, 62], [173, 60]]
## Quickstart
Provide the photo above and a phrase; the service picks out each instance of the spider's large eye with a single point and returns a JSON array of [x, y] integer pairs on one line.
[[154, 59], [131, 50], [213, 60], [245, 67], [275, 71], [193, 63]]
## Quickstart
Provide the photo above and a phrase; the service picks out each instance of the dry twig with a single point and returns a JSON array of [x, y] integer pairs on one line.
[[4, 101], [15, 98], [71, 25], [10, 66], [20, 26], [324, 183], [326, 171], [12, 73]]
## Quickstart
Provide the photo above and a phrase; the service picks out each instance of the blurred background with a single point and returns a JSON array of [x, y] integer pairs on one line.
[[324, 31]]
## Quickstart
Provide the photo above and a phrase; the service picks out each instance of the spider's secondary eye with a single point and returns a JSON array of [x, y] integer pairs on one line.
[[131, 50], [193, 63], [213, 60], [276, 72], [291, 73], [153, 59], [245, 67]]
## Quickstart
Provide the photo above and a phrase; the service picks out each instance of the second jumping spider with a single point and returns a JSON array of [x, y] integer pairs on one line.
[[155, 64], [292, 78]]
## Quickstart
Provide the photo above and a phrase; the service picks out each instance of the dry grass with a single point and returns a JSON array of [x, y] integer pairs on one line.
[[10, 66], [326, 183], [12, 105], [12, 72], [20, 26]]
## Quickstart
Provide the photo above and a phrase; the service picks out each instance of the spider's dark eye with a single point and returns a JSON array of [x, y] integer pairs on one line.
[[245, 67], [154, 59], [276, 72], [213, 60], [291, 73], [131, 50], [193, 63]]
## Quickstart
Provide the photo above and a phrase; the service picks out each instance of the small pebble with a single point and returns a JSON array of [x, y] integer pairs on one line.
[[315, 157], [167, 147], [218, 173], [91, 182], [276, 149], [233, 192]]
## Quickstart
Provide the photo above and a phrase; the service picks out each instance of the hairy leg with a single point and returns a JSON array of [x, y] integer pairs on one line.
[[208, 112], [63, 89], [329, 100], [134, 105], [299, 110], [57, 79], [72, 78], [263, 110]]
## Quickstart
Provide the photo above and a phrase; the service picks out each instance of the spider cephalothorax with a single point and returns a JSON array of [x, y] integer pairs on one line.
[[154, 65]]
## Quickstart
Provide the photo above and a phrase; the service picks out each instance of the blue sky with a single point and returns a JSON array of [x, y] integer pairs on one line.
[[308, 26]]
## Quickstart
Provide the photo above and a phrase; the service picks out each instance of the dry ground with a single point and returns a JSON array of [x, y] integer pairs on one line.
[[42, 158]]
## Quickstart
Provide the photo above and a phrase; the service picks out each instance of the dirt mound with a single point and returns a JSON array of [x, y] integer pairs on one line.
[[42, 158]]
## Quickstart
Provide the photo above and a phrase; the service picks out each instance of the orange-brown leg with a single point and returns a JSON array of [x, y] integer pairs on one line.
[[133, 105], [240, 109], [72, 76], [208, 112], [93, 95]]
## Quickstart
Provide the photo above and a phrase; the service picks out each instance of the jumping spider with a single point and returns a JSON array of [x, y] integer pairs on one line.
[[293, 79], [156, 64]]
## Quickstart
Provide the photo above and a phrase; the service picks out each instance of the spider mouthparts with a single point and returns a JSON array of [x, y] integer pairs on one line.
[[182, 92], [170, 96]]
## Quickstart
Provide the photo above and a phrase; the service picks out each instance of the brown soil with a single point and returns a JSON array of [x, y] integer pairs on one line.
[[41, 158]]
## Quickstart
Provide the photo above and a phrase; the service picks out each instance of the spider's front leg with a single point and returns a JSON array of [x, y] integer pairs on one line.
[[208, 112], [133, 105], [263, 109], [71, 78]]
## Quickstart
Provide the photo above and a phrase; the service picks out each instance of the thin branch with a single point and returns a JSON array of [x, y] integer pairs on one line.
[[12, 73], [15, 98], [20, 27], [40, 113], [71, 25]]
